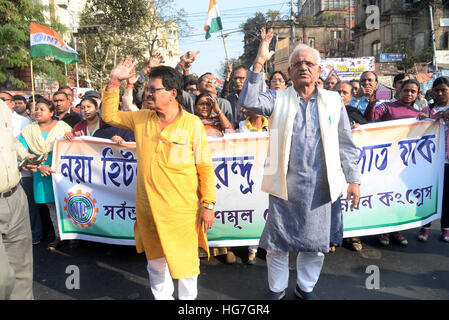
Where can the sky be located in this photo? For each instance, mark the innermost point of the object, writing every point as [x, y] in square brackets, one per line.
[233, 13]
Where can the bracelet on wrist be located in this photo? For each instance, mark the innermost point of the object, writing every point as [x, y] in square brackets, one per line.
[113, 84]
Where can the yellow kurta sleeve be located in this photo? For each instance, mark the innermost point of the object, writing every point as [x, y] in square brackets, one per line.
[110, 113]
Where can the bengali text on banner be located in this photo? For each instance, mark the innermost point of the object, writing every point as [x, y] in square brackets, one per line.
[401, 163]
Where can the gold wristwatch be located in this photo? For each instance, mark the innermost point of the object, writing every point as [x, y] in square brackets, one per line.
[207, 205]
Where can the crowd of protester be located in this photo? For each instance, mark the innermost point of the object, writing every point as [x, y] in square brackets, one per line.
[38, 121]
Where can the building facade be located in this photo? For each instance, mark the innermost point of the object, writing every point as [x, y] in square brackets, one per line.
[318, 8]
[400, 27]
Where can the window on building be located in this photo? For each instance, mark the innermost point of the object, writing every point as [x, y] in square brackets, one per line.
[326, 4]
[376, 49]
[337, 34]
[445, 8]
[312, 42]
[445, 41]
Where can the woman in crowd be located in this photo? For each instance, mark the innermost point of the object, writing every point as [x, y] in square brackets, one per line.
[440, 110]
[401, 109]
[253, 122]
[39, 138]
[278, 81]
[215, 122]
[94, 126]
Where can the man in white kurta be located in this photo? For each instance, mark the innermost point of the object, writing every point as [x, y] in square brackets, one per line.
[313, 159]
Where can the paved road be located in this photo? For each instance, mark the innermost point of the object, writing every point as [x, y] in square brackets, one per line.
[418, 271]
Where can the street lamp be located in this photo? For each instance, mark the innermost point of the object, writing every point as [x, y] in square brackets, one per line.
[83, 31]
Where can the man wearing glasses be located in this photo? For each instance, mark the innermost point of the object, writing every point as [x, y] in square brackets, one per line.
[311, 158]
[238, 78]
[175, 185]
[208, 85]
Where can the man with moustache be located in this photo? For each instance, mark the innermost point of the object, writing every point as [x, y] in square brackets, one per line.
[63, 111]
[311, 159]
[238, 78]
[175, 185]
[367, 91]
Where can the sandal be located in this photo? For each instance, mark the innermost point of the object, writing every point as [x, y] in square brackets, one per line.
[355, 244]
[384, 239]
[333, 247]
[399, 238]
[53, 245]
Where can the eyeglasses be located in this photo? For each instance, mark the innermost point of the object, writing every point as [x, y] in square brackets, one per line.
[278, 80]
[153, 90]
[307, 63]
[209, 80]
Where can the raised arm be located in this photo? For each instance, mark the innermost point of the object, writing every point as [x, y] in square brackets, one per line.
[253, 96]
[373, 113]
[111, 97]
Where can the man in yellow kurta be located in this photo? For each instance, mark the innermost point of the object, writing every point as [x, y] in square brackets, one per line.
[175, 183]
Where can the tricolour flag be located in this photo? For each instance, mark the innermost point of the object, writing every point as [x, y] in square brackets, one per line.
[47, 42]
[213, 23]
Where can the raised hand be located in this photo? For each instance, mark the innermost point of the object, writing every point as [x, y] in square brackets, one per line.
[188, 58]
[124, 70]
[263, 54]
[154, 62]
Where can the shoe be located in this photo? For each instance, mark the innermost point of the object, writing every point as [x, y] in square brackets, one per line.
[332, 247]
[304, 295]
[52, 246]
[445, 235]
[355, 244]
[274, 295]
[399, 238]
[230, 257]
[423, 234]
[252, 258]
[384, 239]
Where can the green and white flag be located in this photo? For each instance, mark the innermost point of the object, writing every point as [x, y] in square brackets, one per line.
[213, 23]
[47, 42]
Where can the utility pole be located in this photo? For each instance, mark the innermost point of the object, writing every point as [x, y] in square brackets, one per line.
[433, 38]
[350, 20]
[292, 26]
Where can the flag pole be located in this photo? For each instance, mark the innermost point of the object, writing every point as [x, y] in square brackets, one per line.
[32, 83]
[224, 44]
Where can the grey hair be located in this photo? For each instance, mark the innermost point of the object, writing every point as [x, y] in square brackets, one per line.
[303, 46]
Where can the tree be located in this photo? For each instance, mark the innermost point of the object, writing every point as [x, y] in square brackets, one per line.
[135, 28]
[273, 15]
[251, 39]
[15, 19]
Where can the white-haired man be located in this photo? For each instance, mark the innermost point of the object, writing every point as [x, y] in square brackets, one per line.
[311, 159]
